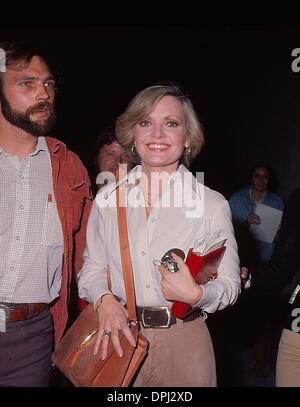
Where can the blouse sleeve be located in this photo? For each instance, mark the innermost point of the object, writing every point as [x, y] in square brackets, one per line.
[92, 278]
[225, 289]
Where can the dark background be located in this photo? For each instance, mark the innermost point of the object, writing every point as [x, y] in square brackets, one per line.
[239, 78]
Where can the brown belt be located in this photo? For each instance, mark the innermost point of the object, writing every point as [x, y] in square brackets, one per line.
[161, 317]
[20, 312]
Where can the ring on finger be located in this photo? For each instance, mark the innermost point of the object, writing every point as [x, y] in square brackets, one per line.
[106, 332]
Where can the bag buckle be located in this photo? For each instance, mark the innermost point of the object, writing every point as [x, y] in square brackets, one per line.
[148, 314]
[4, 316]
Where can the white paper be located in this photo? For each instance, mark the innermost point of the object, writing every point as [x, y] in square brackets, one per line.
[270, 222]
[209, 243]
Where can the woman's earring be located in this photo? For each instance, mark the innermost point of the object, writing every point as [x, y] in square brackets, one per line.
[187, 151]
[134, 150]
[135, 155]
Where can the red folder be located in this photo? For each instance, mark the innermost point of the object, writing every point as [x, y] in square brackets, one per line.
[201, 268]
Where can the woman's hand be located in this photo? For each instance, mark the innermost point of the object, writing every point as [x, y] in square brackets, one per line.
[113, 318]
[253, 219]
[180, 286]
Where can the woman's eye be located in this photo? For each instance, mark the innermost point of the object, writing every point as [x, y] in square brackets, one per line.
[172, 124]
[144, 123]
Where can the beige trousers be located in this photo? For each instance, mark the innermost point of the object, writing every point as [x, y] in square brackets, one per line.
[288, 360]
[180, 356]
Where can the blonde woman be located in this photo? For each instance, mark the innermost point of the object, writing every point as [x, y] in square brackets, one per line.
[166, 207]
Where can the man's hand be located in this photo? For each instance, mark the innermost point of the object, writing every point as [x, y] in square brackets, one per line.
[245, 277]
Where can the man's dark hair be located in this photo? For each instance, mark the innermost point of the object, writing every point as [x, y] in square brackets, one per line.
[107, 136]
[21, 53]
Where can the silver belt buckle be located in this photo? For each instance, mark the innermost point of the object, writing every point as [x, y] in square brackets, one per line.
[4, 316]
[149, 325]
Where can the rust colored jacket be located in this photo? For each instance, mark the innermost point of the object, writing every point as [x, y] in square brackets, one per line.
[72, 191]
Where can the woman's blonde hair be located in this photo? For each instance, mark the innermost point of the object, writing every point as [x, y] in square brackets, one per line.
[144, 102]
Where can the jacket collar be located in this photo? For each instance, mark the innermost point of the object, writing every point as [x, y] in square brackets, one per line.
[56, 147]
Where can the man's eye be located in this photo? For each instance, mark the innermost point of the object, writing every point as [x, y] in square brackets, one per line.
[50, 84]
[172, 124]
[144, 123]
[26, 83]
[125, 157]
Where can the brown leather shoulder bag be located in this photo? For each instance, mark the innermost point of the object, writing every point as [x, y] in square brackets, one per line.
[74, 353]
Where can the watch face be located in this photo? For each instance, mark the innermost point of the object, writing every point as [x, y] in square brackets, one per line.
[169, 262]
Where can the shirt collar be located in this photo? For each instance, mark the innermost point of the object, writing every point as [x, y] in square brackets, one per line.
[40, 146]
[254, 201]
[182, 175]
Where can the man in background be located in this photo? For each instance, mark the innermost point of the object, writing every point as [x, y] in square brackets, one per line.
[109, 155]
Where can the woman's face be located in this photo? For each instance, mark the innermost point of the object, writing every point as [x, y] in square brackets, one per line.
[260, 179]
[161, 136]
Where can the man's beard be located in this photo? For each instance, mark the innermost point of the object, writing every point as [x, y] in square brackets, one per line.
[23, 121]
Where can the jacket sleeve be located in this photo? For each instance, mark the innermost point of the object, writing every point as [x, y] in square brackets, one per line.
[272, 276]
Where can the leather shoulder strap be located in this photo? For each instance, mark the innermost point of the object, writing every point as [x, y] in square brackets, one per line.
[125, 252]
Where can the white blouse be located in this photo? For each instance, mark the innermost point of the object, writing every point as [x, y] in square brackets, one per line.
[186, 212]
